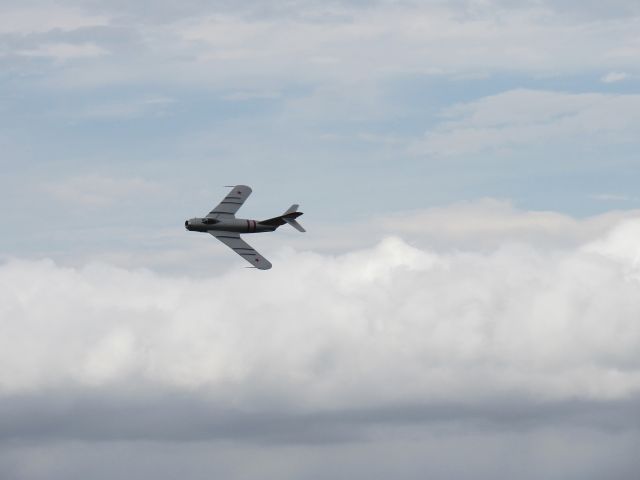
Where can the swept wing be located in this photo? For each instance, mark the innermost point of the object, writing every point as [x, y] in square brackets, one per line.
[242, 248]
[230, 204]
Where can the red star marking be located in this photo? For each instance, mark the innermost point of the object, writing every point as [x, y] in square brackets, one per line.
[257, 259]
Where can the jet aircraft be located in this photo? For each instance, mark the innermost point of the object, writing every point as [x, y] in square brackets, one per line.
[221, 222]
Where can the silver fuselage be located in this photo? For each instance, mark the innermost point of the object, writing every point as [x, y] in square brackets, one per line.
[239, 225]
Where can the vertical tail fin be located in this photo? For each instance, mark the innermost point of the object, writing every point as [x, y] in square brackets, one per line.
[292, 209]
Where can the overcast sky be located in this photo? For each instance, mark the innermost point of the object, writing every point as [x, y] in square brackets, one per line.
[465, 304]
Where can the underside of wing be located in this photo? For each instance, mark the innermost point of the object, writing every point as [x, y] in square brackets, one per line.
[231, 203]
[242, 248]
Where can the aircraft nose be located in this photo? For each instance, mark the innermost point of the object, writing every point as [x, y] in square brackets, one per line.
[186, 224]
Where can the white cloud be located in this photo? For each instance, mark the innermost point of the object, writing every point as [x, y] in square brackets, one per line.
[346, 43]
[65, 51]
[322, 332]
[489, 223]
[521, 117]
[613, 77]
[46, 18]
[620, 244]
[430, 38]
[480, 226]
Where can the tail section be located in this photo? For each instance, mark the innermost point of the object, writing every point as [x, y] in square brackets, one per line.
[287, 217]
[290, 217]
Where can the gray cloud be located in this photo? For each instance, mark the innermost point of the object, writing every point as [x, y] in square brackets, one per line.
[169, 416]
[552, 453]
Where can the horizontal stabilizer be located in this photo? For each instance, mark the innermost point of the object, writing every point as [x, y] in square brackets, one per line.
[294, 224]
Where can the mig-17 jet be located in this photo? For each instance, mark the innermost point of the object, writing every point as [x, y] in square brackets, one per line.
[221, 222]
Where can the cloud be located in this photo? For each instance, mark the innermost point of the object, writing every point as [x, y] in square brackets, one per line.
[532, 117]
[249, 95]
[256, 46]
[132, 108]
[489, 223]
[547, 454]
[431, 38]
[490, 348]
[99, 191]
[613, 77]
[324, 332]
[47, 17]
[65, 51]
[482, 225]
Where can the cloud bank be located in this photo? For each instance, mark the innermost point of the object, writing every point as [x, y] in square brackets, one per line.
[327, 331]
[376, 349]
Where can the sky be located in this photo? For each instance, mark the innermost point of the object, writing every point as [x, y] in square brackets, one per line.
[464, 305]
